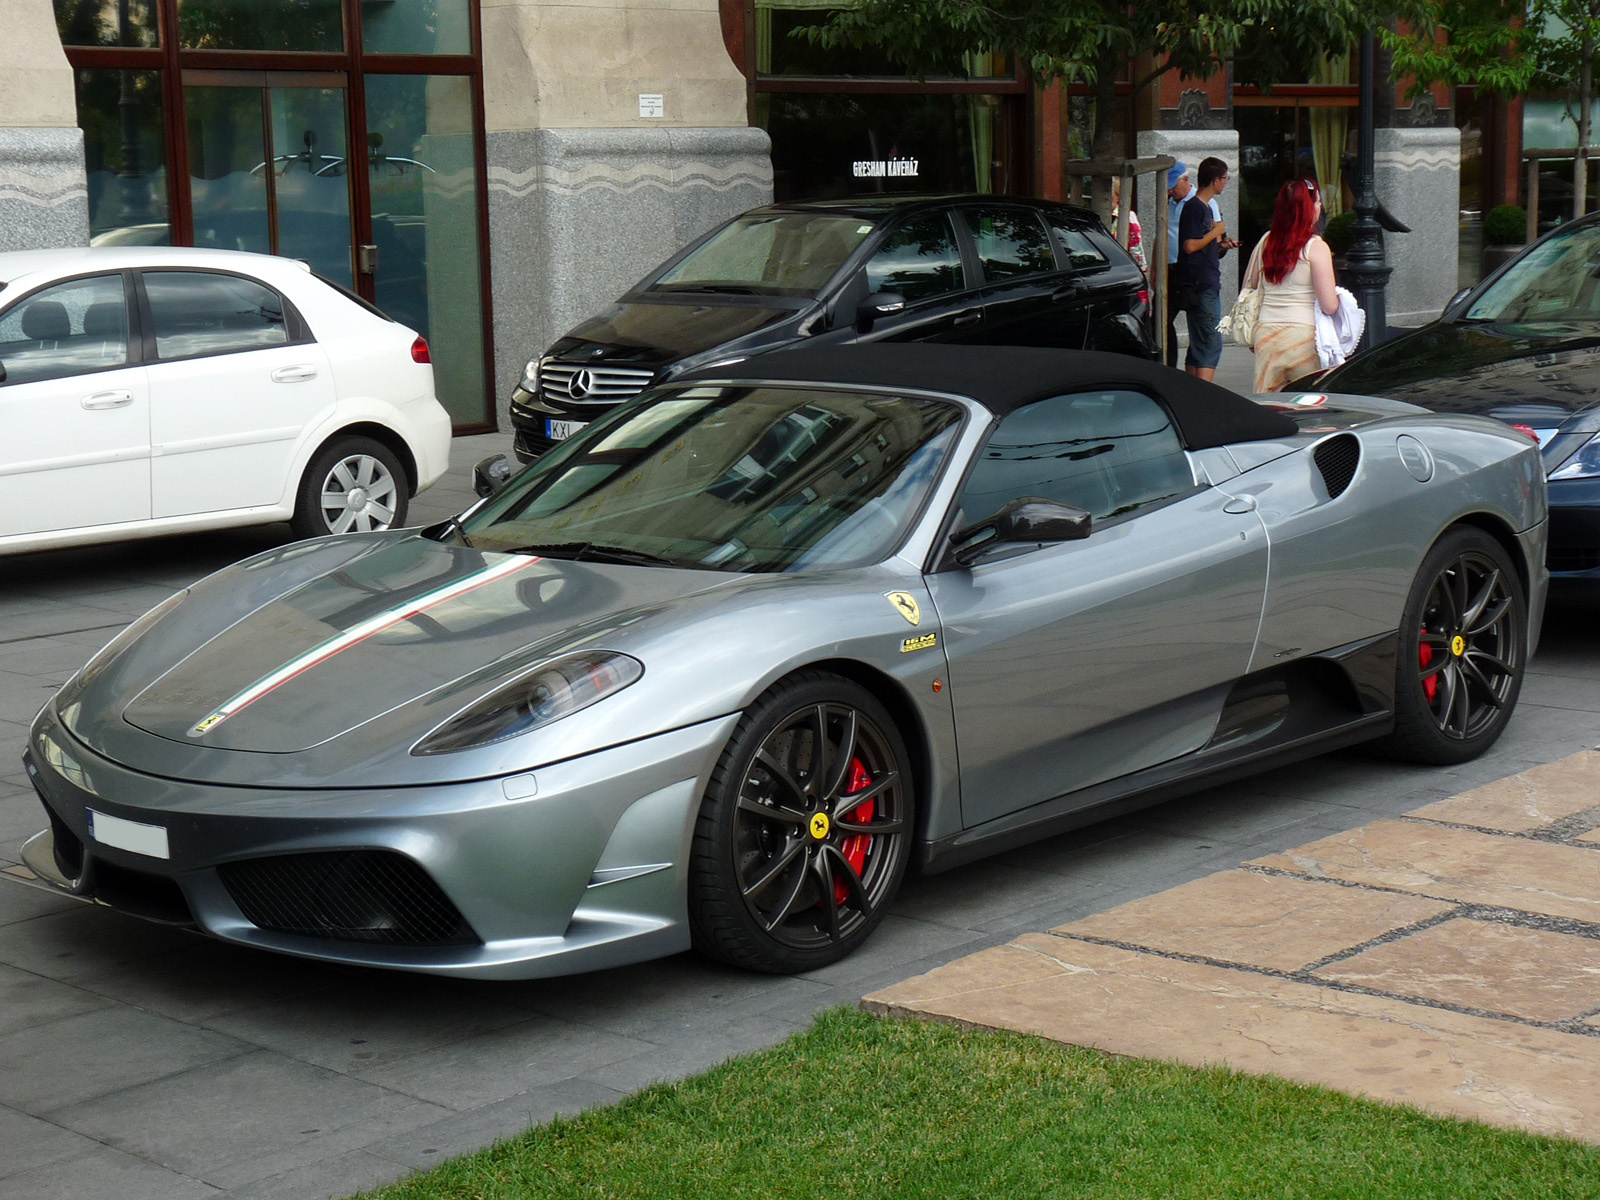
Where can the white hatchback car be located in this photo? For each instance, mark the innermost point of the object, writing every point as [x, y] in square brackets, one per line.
[150, 390]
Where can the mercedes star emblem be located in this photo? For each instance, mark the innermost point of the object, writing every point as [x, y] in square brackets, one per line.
[580, 385]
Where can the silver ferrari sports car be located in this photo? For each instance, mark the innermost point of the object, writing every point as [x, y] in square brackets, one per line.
[719, 669]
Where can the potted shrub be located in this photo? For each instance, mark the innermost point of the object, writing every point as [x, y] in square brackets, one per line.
[1339, 233]
[1505, 230]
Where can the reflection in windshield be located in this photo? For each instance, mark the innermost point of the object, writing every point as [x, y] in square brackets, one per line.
[732, 479]
[1558, 280]
[793, 254]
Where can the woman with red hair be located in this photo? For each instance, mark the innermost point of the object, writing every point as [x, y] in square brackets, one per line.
[1294, 269]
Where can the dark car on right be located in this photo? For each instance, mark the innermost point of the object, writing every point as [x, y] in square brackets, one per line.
[977, 270]
[1524, 347]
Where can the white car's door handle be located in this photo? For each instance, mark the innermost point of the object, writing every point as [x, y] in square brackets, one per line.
[107, 400]
[294, 374]
[1240, 504]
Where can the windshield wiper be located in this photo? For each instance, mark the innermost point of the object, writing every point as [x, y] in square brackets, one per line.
[590, 552]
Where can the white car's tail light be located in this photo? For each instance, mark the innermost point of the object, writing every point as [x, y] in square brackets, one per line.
[419, 351]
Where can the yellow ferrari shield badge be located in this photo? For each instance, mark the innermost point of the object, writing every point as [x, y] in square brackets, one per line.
[906, 604]
[819, 825]
[1458, 645]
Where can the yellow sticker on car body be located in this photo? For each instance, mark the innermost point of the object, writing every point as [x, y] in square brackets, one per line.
[925, 641]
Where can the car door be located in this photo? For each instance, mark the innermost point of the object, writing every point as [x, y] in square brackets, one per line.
[921, 260]
[235, 380]
[1078, 662]
[1028, 300]
[74, 410]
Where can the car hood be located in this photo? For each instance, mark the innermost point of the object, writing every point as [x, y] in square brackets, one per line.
[642, 331]
[408, 625]
[1533, 373]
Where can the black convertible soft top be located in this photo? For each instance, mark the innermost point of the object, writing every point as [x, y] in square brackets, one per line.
[1003, 378]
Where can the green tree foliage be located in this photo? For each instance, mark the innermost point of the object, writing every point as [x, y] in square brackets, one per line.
[1513, 47]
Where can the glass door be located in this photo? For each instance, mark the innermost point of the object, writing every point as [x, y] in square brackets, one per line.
[269, 166]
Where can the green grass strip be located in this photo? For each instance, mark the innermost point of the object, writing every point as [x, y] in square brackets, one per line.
[859, 1108]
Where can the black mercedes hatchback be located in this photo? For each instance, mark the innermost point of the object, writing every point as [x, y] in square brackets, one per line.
[1523, 347]
[974, 269]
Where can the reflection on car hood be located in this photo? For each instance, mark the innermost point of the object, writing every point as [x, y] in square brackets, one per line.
[1523, 373]
[646, 332]
[415, 619]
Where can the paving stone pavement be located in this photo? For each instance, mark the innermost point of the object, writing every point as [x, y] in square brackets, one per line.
[1448, 959]
[141, 1061]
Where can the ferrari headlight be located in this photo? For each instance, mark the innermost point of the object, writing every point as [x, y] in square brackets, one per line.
[547, 693]
[74, 687]
[1585, 464]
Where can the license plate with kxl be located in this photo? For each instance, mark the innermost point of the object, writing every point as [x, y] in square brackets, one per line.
[560, 431]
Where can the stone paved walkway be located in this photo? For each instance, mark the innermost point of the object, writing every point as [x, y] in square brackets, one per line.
[1447, 959]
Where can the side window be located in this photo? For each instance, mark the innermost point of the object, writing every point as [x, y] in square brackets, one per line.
[1106, 452]
[69, 329]
[919, 260]
[197, 313]
[1010, 241]
[1081, 251]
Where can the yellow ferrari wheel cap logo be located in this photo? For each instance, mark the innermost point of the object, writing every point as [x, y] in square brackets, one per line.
[1458, 645]
[906, 604]
[819, 825]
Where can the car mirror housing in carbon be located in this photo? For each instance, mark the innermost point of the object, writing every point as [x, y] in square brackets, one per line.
[878, 304]
[1029, 519]
[491, 474]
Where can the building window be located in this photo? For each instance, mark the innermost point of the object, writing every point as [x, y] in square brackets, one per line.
[124, 153]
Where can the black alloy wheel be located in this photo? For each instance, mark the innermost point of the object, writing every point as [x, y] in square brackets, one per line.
[1462, 651]
[805, 831]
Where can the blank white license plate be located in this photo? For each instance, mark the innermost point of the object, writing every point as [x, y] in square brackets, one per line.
[133, 836]
[559, 431]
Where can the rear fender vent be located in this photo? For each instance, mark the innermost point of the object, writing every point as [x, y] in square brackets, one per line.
[1337, 459]
[348, 896]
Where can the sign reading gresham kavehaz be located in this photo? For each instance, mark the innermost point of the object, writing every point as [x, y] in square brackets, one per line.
[880, 168]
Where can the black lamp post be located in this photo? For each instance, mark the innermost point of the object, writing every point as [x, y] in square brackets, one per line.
[1365, 271]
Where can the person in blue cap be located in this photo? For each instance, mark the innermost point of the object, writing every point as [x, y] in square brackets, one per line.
[1178, 185]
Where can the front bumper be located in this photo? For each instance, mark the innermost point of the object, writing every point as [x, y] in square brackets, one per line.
[1574, 531]
[529, 414]
[573, 867]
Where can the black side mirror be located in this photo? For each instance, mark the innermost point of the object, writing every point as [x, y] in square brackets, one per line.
[876, 305]
[490, 475]
[1029, 519]
[1457, 299]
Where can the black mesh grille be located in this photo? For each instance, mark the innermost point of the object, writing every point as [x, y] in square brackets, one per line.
[1582, 559]
[1337, 459]
[348, 895]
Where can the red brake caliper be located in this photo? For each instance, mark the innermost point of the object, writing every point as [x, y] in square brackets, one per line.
[1430, 685]
[854, 848]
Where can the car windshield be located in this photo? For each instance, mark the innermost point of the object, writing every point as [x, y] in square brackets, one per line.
[790, 254]
[764, 478]
[1558, 281]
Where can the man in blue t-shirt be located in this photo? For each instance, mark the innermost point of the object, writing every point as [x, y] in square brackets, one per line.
[1197, 275]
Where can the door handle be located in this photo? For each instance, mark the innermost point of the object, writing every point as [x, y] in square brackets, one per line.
[1069, 291]
[294, 374]
[101, 400]
[971, 317]
[1240, 504]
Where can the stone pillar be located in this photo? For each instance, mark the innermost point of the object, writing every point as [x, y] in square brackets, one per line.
[586, 191]
[1419, 181]
[44, 191]
[1189, 146]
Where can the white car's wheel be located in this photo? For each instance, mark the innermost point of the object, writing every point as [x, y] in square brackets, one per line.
[353, 485]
